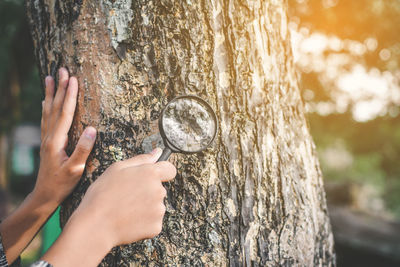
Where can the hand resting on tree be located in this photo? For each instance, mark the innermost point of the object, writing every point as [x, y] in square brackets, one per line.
[58, 173]
[124, 205]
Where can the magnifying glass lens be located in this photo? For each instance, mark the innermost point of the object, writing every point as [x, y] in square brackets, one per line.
[188, 124]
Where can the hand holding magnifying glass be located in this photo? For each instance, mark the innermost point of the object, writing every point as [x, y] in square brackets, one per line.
[187, 124]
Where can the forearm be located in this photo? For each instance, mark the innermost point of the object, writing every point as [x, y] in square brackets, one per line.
[19, 228]
[79, 244]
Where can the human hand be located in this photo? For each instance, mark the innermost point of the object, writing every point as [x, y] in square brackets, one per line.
[124, 205]
[126, 201]
[58, 173]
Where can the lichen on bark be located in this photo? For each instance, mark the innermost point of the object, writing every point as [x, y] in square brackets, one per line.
[256, 196]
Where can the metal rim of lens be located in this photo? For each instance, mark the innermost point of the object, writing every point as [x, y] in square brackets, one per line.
[168, 143]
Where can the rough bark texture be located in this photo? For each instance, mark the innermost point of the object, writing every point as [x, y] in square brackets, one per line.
[256, 197]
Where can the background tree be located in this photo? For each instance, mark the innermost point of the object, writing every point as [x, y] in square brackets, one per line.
[257, 196]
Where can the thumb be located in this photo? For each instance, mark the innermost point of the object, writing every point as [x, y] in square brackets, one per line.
[84, 146]
[152, 157]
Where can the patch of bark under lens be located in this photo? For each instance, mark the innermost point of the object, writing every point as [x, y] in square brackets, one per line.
[188, 125]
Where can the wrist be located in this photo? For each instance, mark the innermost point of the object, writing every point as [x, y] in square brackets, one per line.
[42, 203]
[90, 229]
[93, 221]
[82, 243]
[21, 225]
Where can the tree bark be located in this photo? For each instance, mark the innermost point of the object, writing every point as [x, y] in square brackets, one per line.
[256, 197]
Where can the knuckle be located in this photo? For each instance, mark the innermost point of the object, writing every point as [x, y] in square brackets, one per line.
[162, 209]
[82, 149]
[144, 157]
[168, 169]
[168, 165]
[156, 230]
[163, 192]
[64, 114]
[63, 82]
[48, 145]
[173, 171]
[75, 170]
[55, 108]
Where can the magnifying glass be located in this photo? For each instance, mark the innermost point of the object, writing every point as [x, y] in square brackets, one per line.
[187, 125]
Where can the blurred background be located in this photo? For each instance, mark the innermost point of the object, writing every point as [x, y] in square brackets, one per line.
[347, 54]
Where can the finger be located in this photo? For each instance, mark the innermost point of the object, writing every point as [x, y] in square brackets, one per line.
[63, 78]
[42, 123]
[48, 102]
[166, 170]
[141, 159]
[65, 120]
[83, 148]
[163, 171]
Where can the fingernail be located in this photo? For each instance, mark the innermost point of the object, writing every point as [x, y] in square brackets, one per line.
[90, 133]
[61, 70]
[47, 80]
[156, 151]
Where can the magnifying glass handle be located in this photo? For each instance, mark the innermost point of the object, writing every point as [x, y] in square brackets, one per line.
[165, 154]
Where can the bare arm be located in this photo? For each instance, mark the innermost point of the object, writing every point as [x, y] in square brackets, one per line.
[58, 173]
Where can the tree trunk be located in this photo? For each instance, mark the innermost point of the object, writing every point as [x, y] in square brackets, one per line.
[256, 197]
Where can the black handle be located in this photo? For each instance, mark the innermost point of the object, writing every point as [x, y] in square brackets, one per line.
[165, 154]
